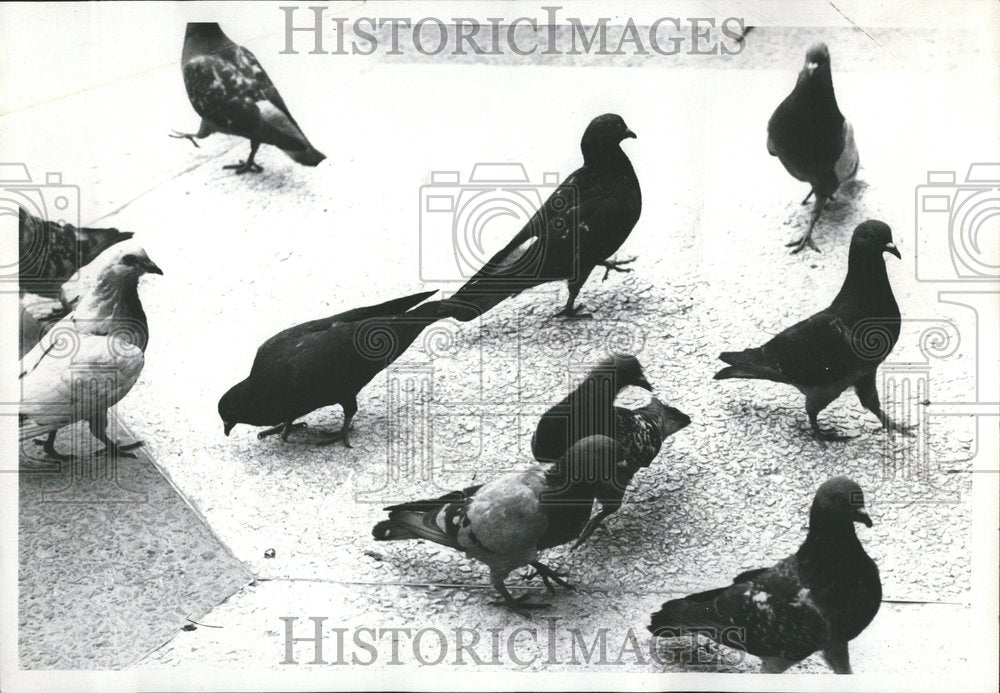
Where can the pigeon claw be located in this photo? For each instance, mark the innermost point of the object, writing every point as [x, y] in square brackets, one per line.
[190, 136]
[51, 451]
[574, 314]
[244, 167]
[801, 243]
[616, 266]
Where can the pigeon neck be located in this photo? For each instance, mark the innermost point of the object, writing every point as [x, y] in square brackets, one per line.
[817, 91]
[113, 305]
[603, 154]
[866, 274]
[828, 537]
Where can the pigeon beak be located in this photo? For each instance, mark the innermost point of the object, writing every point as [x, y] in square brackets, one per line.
[151, 268]
[227, 427]
[890, 247]
[812, 66]
[862, 517]
[629, 135]
[643, 383]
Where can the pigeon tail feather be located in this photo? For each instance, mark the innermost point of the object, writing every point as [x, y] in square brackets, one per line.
[310, 156]
[750, 364]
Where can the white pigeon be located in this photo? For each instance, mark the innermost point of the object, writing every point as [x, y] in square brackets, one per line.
[92, 357]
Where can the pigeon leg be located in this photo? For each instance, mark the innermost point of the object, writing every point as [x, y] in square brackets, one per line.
[571, 310]
[774, 665]
[806, 199]
[248, 165]
[350, 409]
[616, 266]
[547, 575]
[868, 396]
[815, 403]
[284, 429]
[520, 605]
[204, 130]
[806, 240]
[98, 428]
[592, 524]
[48, 446]
[839, 659]
[825, 434]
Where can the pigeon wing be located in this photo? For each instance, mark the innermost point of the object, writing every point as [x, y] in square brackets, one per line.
[769, 615]
[814, 352]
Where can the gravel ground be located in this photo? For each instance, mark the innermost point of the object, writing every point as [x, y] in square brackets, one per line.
[244, 257]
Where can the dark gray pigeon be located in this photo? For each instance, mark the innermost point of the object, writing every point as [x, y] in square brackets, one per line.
[811, 137]
[841, 346]
[818, 599]
[322, 363]
[232, 94]
[582, 224]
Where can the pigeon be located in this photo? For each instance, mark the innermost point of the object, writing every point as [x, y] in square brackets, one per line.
[231, 92]
[324, 362]
[812, 139]
[505, 522]
[580, 226]
[91, 358]
[589, 409]
[51, 253]
[841, 346]
[640, 433]
[819, 598]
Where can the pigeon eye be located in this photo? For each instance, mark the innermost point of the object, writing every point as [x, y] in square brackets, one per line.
[129, 260]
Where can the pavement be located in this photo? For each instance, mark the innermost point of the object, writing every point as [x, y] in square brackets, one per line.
[244, 257]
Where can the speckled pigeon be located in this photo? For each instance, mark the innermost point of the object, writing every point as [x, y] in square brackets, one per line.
[811, 137]
[51, 253]
[580, 226]
[841, 346]
[505, 522]
[232, 94]
[590, 410]
[817, 599]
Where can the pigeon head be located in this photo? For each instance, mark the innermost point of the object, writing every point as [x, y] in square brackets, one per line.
[127, 261]
[668, 419]
[839, 502]
[232, 406]
[203, 37]
[818, 54]
[872, 238]
[603, 136]
[627, 371]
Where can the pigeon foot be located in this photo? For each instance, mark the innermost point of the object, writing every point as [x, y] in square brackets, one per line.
[548, 577]
[49, 449]
[573, 314]
[190, 136]
[801, 243]
[244, 167]
[616, 266]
